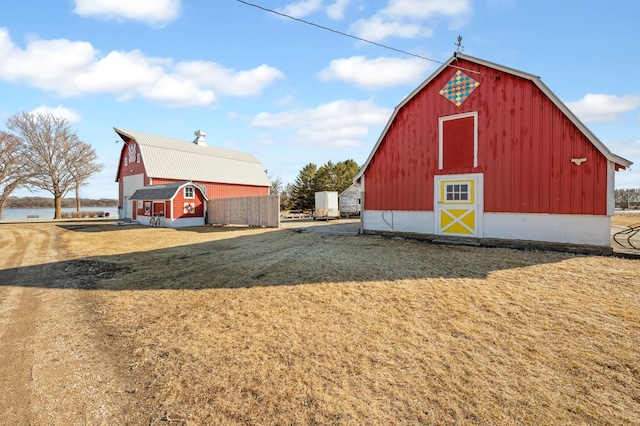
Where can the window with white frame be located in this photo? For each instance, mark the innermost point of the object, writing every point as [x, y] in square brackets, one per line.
[457, 192]
[188, 192]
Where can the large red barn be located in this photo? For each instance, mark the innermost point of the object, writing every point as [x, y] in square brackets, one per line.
[149, 161]
[488, 153]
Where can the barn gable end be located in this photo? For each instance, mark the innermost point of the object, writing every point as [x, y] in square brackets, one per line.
[149, 160]
[503, 134]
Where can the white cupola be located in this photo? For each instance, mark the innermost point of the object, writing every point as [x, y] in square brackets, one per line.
[200, 138]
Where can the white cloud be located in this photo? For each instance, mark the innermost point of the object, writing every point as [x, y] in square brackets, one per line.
[376, 73]
[76, 68]
[228, 81]
[153, 12]
[598, 108]
[336, 10]
[302, 8]
[337, 124]
[406, 18]
[377, 29]
[61, 112]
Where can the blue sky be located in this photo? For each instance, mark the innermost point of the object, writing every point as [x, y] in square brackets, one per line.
[291, 93]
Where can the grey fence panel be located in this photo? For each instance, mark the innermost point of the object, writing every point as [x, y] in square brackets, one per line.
[252, 211]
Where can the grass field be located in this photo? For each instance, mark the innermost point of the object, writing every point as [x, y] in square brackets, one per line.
[626, 219]
[275, 327]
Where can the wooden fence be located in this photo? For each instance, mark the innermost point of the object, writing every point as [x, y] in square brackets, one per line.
[251, 211]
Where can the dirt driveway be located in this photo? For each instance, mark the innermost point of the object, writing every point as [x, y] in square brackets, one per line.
[49, 351]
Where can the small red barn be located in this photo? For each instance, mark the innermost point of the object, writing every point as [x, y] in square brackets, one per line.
[173, 205]
[485, 152]
[147, 161]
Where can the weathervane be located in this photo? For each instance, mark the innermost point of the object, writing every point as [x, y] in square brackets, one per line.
[459, 46]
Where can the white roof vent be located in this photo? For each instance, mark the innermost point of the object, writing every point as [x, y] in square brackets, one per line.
[200, 138]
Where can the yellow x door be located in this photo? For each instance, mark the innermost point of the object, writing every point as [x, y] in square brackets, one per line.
[458, 205]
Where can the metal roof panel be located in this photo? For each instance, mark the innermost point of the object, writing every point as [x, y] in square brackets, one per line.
[178, 159]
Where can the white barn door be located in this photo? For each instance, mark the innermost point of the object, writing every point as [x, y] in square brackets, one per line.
[459, 205]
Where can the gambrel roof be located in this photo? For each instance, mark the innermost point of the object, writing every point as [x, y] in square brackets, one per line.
[161, 192]
[170, 158]
[597, 143]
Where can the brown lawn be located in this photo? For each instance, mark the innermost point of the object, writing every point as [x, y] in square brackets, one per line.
[626, 219]
[276, 327]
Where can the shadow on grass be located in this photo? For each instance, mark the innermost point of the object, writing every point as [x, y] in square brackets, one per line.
[275, 258]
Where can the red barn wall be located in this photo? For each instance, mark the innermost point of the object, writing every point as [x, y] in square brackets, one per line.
[525, 146]
[223, 190]
[130, 169]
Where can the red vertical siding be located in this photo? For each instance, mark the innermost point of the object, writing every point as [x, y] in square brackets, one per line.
[178, 205]
[525, 147]
[223, 190]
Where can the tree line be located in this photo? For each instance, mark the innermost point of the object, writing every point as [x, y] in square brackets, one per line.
[627, 199]
[44, 202]
[311, 179]
[41, 151]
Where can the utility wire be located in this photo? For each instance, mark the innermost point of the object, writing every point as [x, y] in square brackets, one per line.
[313, 24]
[338, 32]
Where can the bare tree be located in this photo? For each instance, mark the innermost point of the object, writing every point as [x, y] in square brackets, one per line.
[13, 172]
[52, 153]
[81, 159]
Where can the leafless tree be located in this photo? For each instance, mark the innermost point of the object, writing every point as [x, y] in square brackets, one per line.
[13, 172]
[53, 152]
[81, 159]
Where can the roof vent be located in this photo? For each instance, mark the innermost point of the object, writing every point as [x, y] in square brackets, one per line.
[200, 138]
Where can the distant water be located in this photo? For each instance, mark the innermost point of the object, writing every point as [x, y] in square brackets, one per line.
[47, 213]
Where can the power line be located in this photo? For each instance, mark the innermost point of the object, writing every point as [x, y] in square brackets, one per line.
[338, 32]
[313, 24]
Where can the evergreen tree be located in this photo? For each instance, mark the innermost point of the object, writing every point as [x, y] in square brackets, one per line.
[345, 172]
[304, 189]
[311, 179]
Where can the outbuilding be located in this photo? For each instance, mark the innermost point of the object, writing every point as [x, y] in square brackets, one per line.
[149, 161]
[349, 201]
[173, 205]
[483, 153]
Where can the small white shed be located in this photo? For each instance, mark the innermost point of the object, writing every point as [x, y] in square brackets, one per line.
[350, 201]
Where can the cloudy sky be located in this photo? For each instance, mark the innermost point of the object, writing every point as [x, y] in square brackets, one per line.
[292, 93]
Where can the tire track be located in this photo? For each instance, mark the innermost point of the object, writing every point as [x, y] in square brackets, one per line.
[19, 308]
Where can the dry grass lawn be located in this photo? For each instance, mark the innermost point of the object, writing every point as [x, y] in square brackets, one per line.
[626, 219]
[276, 327]
[231, 326]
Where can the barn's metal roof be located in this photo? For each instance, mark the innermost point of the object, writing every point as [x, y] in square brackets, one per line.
[160, 192]
[619, 161]
[170, 158]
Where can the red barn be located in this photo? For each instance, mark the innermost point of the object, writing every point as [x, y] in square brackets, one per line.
[484, 152]
[148, 160]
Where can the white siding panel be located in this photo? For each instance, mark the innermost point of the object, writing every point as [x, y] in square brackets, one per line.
[419, 222]
[555, 228]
